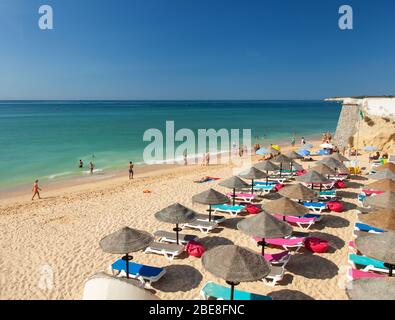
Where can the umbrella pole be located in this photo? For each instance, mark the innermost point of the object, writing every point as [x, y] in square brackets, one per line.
[267, 177]
[209, 212]
[127, 258]
[391, 268]
[252, 186]
[320, 187]
[262, 243]
[232, 289]
[177, 229]
[234, 196]
[281, 168]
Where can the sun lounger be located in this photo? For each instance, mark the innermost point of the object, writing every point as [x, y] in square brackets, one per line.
[285, 243]
[367, 263]
[371, 192]
[264, 189]
[202, 226]
[214, 218]
[276, 275]
[367, 228]
[263, 183]
[214, 290]
[316, 207]
[169, 250]
[165, 236]
[339, 177]
[281, 258]
[361, 198]
[354, 274]
[301, 222]
[138, 271]
[326, 186]
[278, 179]
[327, 194]
[232, 210]
[242, 197]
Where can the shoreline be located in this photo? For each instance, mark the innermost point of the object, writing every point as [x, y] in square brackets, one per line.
[79, 184]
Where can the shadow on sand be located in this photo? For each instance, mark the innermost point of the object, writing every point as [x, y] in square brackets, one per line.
[179, 278]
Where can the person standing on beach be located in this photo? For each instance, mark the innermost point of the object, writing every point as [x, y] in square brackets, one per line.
[324, 137]
[36, 189]
[208, 159]
[303, 141]
[293, 140]
[131, 173]
[91, 167]
[185, 158]
[329, 137]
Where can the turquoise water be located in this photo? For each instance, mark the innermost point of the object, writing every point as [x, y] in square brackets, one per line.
[46, 139]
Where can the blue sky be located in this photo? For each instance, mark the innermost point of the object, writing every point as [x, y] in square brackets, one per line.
[196, 49]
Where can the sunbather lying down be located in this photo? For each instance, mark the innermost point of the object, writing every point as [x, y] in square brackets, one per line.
[206, 179]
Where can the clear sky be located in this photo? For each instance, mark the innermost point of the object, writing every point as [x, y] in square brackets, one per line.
[196, 49]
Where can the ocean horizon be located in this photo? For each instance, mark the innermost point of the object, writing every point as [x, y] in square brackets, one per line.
[45, 139]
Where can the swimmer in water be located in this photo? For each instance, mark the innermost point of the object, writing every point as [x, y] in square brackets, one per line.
[81, 164]
[91, 167]
[36, 190]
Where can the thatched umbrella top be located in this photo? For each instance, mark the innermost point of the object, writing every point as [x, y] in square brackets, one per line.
[382, 219]
[385, 174]
[293, 155]
[234, 183]
[293, 165]
[379, 246]
[389, 165]
[264, 225]
[312, 177]
[323, 169]
[372, 289]
[266, 166]
[334, 164]
[210, 196]
[339, 157]
[286, 207]
[126, 240]
[298, 191]
[253, 173]
[281, 158]
[384, 185]
[385, 200]
[176, 214]
[235, 264]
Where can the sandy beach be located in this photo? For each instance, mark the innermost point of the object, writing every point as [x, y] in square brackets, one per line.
[63, 230]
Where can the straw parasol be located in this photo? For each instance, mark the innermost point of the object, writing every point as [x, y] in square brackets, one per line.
[252, 174]
[334, 164]
[389, 165]
[339, 157]
[380, 247]
[292, 166]
[313, 177]
[282, 159]
[124, 241]
[210, 197]
[176, 214]
[294, 155]
[323, 169]
[285, 207]
[266, 166]
[234, 183]
[235, 264]
[372, 289]
[385, 200]
[382, 219]
[383, 185]
[385, 174]
[298, 191]
[264, 226]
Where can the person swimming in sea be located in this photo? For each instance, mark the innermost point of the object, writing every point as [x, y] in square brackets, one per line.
[36, 189]
[131, 173]
[81, 164]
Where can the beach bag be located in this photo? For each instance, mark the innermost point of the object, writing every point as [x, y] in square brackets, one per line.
[335, 206]
[340, 185]
[195, 249]
[316, 245]
[279, 186]
[301, 172]
[252, 209]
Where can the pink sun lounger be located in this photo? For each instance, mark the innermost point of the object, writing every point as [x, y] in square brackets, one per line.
[278, 258]
[285, 243]
[354, 274]
[304, 223]
[370, 192]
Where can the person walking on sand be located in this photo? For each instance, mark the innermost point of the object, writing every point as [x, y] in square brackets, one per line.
[91, 167]
[36, 189]
[207, 158]
[131, 173]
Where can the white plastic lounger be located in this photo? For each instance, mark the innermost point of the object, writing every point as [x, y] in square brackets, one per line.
[242, 197]
[214, 218]
[276, 274]
[170, 237]
[278, 179]
[326, 186]
[169, 250]
[264, 189]
[232, 210]
[202, 226]
[316, 207]
[138, 271]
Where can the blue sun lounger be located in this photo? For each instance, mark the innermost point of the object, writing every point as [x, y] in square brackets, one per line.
[214, 290]
[367, 228]
[263, 183]
[138, 271]
[232, 210]
[369, 264]
[315, 206]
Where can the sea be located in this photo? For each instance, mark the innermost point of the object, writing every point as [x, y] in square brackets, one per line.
[46, 139]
